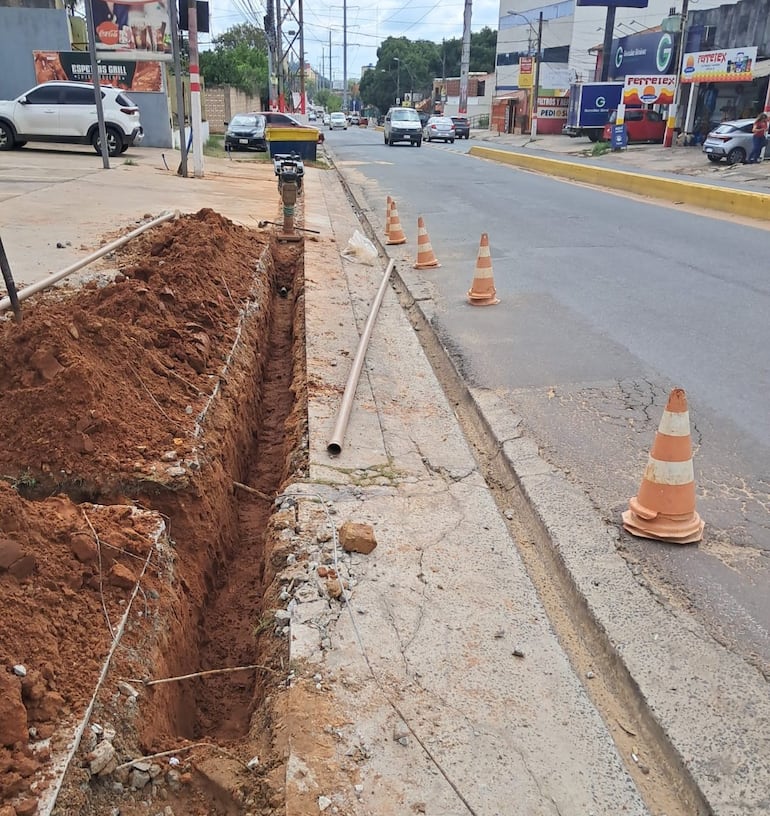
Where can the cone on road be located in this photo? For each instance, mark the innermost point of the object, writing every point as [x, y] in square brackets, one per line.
[482, 291]
[426, 259]
[395, 232]
[388, 207]
[664, 508]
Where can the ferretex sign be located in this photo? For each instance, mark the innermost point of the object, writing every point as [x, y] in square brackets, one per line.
[727, 65]
[639, 54]
[649, 90]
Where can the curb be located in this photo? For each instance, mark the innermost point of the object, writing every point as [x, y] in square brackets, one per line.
[735, 202]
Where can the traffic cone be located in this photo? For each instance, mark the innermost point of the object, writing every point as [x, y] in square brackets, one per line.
[426, 258]
[664, 508]
[395, 233]
[482, 291]
[388, 207]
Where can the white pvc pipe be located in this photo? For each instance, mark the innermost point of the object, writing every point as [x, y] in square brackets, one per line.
[334, 446]
[33, 288]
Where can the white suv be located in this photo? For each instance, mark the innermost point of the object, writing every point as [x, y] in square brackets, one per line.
[403, 125]
[65, 112]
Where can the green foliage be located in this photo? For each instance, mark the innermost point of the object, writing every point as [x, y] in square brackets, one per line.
[239, 59]
[419, 63]
[600, 148]
[326, 99]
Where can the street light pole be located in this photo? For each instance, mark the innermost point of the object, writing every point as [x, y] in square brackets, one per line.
[398, 80]
[533, 125]
[536, 89]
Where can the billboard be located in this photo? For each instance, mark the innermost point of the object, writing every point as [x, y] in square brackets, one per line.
[638, 54]
[727, 65]
[640, 4]
[138, 30]
[649, 90]
[130, 75]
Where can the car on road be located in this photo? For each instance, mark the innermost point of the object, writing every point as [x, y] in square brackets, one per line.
[326, 119]
[246, 131]
[337, 121]
[402, 125]
[642, 125]
[311, 117]
[439, 127]
[462, 126]
[275, 119]
[65, 113]
[355, 119]
[731, 141]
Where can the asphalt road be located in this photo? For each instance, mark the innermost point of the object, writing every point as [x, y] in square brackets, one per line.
[606, 303]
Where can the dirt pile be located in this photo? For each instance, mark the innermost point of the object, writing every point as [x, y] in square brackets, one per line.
[66, 572]
[97, 387]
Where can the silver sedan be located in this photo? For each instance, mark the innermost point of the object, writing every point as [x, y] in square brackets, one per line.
[439, 127]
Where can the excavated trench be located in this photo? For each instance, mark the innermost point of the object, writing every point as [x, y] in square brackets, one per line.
[215, 588]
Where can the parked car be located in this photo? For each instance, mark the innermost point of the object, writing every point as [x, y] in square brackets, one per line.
[337, 121]
[439, 127]
[363, 121]
[462, 126]
[65, 113]
[731, 141]
[642, 125]
[246, 131]
[285, 120]
[402, 125]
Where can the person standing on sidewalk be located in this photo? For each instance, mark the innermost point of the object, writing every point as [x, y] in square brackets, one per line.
[759, 132]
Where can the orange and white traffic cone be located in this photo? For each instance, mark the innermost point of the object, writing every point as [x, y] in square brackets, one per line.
[426, 259]
[388, 207]
[395, 232]
[664, 508]
[482, 291]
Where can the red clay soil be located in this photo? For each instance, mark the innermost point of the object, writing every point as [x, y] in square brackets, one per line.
[64, 571]
[95, 386]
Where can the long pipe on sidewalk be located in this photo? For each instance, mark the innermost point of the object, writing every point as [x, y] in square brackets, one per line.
[33, 288]
[334, 446]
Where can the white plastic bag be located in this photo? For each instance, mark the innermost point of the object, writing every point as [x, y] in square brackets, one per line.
[360, 249]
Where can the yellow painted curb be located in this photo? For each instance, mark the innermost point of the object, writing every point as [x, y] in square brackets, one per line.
[736, 202]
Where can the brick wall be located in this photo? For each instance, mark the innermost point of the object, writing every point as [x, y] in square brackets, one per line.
[224, 102]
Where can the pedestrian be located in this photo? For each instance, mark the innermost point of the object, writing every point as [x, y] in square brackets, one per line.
[759, 132]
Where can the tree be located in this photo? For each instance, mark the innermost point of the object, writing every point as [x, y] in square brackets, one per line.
[239, 59]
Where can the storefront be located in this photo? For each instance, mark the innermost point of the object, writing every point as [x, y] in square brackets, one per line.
[721, 86]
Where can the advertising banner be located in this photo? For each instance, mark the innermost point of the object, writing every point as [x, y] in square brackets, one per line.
[639, 54]
[727, 65]
[526, 72]
[552, 107]
[75, 66]
[649, 90]
[138, 29]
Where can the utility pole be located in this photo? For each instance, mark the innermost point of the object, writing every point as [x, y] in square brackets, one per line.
[533, 124]
[195, 89]
[180, 97]
[270, 35]
[668, 136]
[331, 84]
[279, 55]
[302, 106]
[97, 89]
[466, 58]
[345, 55]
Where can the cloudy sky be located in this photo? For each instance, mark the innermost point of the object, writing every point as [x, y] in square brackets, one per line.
[369, 23]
